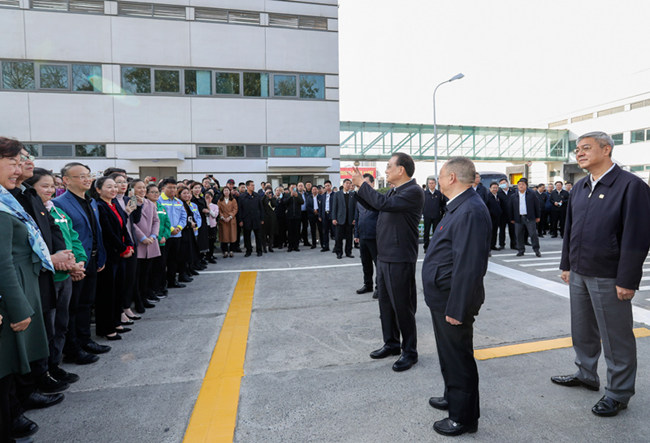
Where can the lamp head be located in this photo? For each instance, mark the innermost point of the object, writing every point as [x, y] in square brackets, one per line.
[457, 77]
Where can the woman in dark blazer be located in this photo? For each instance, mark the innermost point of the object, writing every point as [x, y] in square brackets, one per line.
[118, 245]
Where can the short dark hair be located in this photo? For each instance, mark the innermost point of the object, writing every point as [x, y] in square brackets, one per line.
[38, 174]
[568, 183]
[10, 147]
[248, 182]
[369, 176]
[523, 179]
[151, 186]
[308, 181]
[110, 171]
[167, 181]
[68, 166]
[493, 183]
[241, 183]
[405, 161]
[541, 184]
[327, 181]
[559, 181]
[503, 180]
[347, 180]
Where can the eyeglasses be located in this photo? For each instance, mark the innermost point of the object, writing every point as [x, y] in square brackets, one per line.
[584, 149]
[24, 158]
[81, 177]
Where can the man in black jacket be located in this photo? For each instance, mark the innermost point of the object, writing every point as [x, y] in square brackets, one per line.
[525, 213]
[479, 188]
[606, 242]
[505, 191]
[434, 207]
[293, 202]
[343, 218]
[281, 215]
[326, 216]
[452, 277]
[313, 204]
[494, 206]
[559, 199]
[251, 216]
[397, 252]
[365, 230]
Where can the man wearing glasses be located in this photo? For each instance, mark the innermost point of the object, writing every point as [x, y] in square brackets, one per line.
[79, 347]
[606, 242]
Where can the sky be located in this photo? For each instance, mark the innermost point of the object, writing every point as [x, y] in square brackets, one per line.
[526, 63]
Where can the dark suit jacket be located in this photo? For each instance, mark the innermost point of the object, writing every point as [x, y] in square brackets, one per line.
[115, 237]
[310, 206]
[494, 206]
[505, 205]
[337, 207]
[51, 234]
[293, 205]
[434, 204]
[457, 258]
[482, 191]
[321, 209]
[365, 226]
[251, 211]
[556, 197]
[81, 224]
[532, 206]
[398, 222]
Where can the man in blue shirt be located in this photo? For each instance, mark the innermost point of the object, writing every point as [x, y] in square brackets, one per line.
[605, 244]
[177, 219]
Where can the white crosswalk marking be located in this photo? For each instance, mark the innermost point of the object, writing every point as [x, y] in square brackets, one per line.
[531, 259]
[528, 265]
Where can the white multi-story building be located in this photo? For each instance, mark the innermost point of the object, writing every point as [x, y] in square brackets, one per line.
[243, 89]
[628, 122]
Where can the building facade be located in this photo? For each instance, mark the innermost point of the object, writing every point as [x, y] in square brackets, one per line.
[628, 122]
[243, 89]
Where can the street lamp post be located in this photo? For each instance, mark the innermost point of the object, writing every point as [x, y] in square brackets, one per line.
[435, 127]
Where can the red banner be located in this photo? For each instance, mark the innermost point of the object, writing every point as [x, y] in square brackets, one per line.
[347, 172]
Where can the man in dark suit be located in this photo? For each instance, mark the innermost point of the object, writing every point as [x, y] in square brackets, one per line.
[326, 216]
[343, 218]
[293, 203]
[281, 215]
[313, 204]
[434, 207]
[505, 191]
[494, 206]
[606, 243]
[365, 231]
[479, 188]
[542, 196]
[251, 216]
[559, 199]
[525, 213]
[397, 252]
[452, 277]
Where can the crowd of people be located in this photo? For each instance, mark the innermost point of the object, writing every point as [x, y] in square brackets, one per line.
[80, 248]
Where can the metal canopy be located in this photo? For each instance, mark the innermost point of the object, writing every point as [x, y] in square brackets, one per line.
[378, 141]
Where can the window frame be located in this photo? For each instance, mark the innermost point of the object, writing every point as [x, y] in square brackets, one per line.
[272, 85]
[222, 155]
[181, 81]
[227, 71]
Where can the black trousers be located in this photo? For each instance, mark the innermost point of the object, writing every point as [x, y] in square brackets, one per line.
[247, 240]
[212, 238]
[456, 354]
[281, 238]
[344, 232]
[173, 247]
[428, 224]
[558, 218]
[397, 305]
[511, 234]
[130, 292]
[237, 244]
[495, 229]
[542, 227]
[293, 232]
[368, 251]
[326, 231]
[81, 303]
[304, 223]
[7, 414]
[145, 287]
[108, 305]
[315, 227]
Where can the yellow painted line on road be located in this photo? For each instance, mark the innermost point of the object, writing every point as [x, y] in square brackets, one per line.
[215, 413]
[536, 346]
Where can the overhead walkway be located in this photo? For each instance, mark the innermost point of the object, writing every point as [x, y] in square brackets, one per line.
[366, 141]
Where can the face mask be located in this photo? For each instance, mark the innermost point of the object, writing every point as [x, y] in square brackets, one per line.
[503, 185]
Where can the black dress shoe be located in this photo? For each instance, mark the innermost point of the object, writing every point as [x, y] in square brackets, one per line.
[528, 244]
[271, 250]
[404, 363]
[572, 380]
[313, 246]
[349, 255]
[520, 254]
[133, 317]
[122, 330]
[364, 289]
[259, 253]
[248, 254]
[324, 249]
[384, 352]
[339, 256]
[82, 358]
[140, 310]
[114, 337]
[22, 427]
[193, 272]
[212, 260]
[449, 427]
[62, 374]
[147, 304]
[49, 385]
[608, 407]
[126, 323]
[41, 401]
[297, 249]
[176, 285]
[538, 254]
[185, 279]
[439, 403]
[95, 348]
[375, 295]
[494, 248]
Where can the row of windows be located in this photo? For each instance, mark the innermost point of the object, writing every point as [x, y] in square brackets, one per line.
[256, 151]
[141, 80]
[25, 75]
[53, 76]
[602, 113]
[66, 150]
[176, 12]
[640, 135]
[57, 150]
